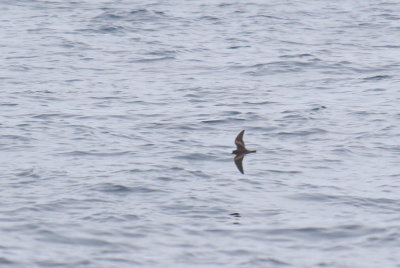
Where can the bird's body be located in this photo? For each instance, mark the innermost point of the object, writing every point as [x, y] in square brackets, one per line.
[240, 151]
[243, 152]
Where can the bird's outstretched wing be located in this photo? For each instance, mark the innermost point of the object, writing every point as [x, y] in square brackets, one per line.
[239, 141]
[239, 162]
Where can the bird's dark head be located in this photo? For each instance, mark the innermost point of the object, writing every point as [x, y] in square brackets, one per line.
[235, 152]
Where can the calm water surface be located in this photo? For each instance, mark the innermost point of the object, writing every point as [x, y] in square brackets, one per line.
[117, 121]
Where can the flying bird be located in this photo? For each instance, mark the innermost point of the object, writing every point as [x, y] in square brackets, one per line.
[240, 151]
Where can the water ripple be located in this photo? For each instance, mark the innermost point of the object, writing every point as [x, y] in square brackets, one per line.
[118, 119]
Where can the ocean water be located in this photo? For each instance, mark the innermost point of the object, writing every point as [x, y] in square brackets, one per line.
[118, 118]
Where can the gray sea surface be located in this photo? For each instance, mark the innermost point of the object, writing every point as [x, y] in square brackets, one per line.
[118, 119]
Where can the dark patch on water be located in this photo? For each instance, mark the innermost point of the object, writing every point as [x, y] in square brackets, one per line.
[16, 137]
[84, 153]
[296, 56]
[377, 77]
[193, 156]
[6, 261]
[8, 104]
[117, 188]
[265, 261]
[318, 108]
[317, 233]
[235, 214]
[299, 133]
[284, 171]
[28, 173]
[155, 59]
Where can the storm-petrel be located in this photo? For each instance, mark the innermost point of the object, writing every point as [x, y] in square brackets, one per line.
[240, 151]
